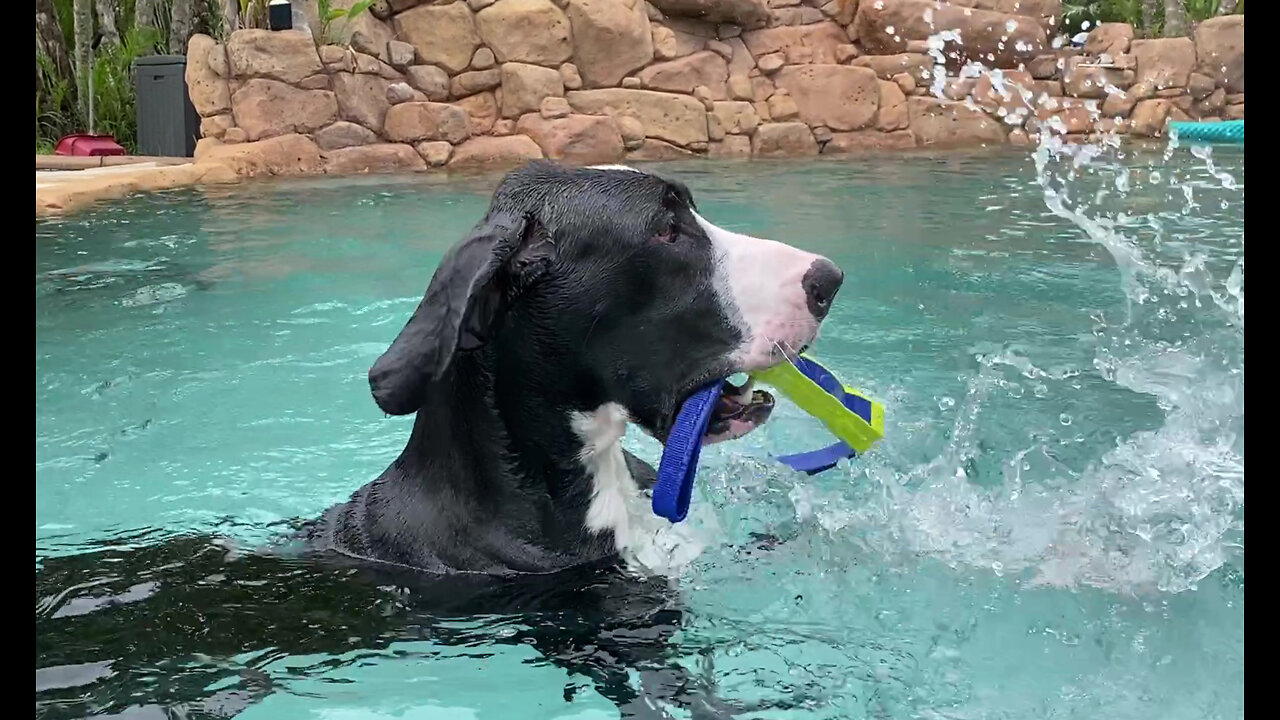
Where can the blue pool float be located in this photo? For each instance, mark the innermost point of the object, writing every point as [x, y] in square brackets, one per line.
[1229, 131]
[852, 417]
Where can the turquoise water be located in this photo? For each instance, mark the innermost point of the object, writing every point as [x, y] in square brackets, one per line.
[1053, 526]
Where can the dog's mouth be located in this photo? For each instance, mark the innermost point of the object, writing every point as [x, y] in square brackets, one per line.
[740, 410]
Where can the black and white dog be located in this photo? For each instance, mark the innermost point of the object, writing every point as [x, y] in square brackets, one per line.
[585, 299]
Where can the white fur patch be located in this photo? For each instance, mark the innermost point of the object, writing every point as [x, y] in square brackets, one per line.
[612, 167]
[644, 540]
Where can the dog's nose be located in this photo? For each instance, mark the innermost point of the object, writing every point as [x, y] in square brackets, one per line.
[821, 282]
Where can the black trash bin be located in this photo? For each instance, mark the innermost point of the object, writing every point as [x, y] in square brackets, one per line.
[168, 124]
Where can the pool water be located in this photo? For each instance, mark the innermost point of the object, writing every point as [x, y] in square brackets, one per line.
[1052, 527]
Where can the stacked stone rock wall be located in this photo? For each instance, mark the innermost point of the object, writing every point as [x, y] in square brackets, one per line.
[485, 82]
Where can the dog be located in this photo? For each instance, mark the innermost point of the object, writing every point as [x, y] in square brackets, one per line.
[584, 301]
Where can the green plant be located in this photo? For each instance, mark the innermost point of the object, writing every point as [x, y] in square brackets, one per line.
[253, 14]
[329, 15]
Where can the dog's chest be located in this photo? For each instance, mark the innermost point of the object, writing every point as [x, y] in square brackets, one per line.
[644, 540]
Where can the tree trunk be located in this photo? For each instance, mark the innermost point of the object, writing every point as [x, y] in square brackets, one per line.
[82, 14]
[1175, 19]
[49, 38]
[230, 17]
[145, 15]
[180, 22]
[1226, 7]
[1149, 9]
[107, 21]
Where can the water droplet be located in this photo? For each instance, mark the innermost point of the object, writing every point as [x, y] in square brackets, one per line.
[1065, 419]
[946, 403]
[888, 30]
[1010, 25]
[1155, 177]
[1084, 25]
[997, 567]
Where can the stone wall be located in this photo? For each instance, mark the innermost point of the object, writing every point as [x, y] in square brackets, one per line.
[480, 83]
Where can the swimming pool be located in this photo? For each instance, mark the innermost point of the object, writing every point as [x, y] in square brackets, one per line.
[1053, 526]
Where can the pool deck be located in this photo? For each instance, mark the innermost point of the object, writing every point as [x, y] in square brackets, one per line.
[67, 183]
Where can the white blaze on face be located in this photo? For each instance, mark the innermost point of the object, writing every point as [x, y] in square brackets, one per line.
[760, 283]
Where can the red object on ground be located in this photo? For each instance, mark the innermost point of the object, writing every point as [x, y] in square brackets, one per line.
[84, 144]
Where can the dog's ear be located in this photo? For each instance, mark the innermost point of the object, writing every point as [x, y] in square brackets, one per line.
[468, 294]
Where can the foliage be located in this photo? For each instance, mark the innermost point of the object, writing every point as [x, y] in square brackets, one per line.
[1076, 12]
[329, 15]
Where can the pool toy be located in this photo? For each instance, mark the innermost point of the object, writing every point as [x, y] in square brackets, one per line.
[856, 420]
[1229, 131]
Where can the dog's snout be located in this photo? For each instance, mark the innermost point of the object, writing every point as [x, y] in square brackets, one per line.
[821, 282]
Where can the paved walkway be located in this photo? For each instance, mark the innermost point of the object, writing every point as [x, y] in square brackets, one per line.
[82, 181]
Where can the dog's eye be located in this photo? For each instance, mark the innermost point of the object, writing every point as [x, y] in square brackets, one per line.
[668, 235]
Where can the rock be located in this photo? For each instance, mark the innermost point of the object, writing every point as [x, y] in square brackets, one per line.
[892, 114]
[576, 139]
[1164, 63]
[503, 127]
[1235, 98]
[478, 5]
[905, 82]
[796, 16]
[837, 96]
[374, 32]
[938, 123]
[1044, 67]
[483, 59]
[994, 38]
[217, 59]
[733, 146]
[919, 67]
[1219, 46]
[652, 149]
[1110, 38]
[771, 63]
[482, 112]
[743, 13]
[291, 154]
[1018, 138]
[761, 88]
[845, 53]
[474, 81]
[332, 54]
[664, 42]
[677, 119]
[703, 94]
[631, 130]
[723, 49]
[524, 86]
[379, 157]
[610, 39]
[1200, 86]
[431, 80]
[266, 108]
[958, 88]
[1211, 105]
[740, 87]
[414, 121]
[527, 31]
[362, 99]
[235, 135]
[841, 11]
[1091, 82]
[798, 55]
[1009, 91]
[344, 134]
[736, 117]
[215, 126]
[742, 63]
[443, 35]
[715, 130]
[570, 77]
[400, 54]
[1121, 104]
[434, 153]
[724, 31]
[783, 139]
[1065, 116]
[494, 152]
[782, 107]
[1046, 12]
[286, 55]
[1231, 112]
[864, 141]
[319, 81]
[1150, 118]
[705, 68]
[401, 92]
[370, 65]
[209, 93]
[632, 83]
[822, 38]
[762, 111]
[553, 108]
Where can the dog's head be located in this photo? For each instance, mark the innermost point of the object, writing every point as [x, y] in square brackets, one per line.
[610, 277]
